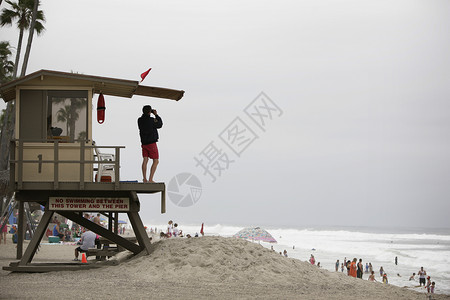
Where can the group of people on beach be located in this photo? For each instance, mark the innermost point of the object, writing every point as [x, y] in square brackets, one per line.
[172, 231]
[356, 269]
[425, 280]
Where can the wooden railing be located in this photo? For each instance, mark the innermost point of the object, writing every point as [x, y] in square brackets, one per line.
[17, 164]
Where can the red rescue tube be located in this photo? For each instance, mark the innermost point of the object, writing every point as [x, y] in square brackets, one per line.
[101, 109]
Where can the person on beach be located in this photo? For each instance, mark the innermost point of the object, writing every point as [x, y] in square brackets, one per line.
[381, 271]
[86, 242]
[148, 132]
[347, 265]
[68, 235]
[342, 267]
[176, 231]
[353, 268]
[337, 265]
[4, 230]
[385, 279]
[370, 268]
[312, 260]
[318, 264]
[14, 234]
[367, 268]
[372, 276]
[422, 274]
[285, 253]
[396, 260]
[433, 285]
[360, 268]
[428, 286]
[412, 277]
[97, 220]
[57, 231]
[169, 229]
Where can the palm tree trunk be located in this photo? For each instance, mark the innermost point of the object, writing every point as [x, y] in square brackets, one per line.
[30, 38]
[19, 48]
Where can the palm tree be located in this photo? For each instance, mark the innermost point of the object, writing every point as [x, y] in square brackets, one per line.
[7, 117]
[6, 69]
[34, 24]
[6, 66]
[23, 12]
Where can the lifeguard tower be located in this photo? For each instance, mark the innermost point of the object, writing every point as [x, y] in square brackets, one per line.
[53, 159]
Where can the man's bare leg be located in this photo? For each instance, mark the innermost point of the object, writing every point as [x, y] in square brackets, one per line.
[153, 169]
[144, 168]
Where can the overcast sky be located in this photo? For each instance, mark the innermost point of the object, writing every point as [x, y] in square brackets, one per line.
[359, 133]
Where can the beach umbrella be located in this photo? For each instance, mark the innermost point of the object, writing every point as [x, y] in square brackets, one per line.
[255, 234]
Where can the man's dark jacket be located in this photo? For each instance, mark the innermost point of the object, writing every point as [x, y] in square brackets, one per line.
[148, 128]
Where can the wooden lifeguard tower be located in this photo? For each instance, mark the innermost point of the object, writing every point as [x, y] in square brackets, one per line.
[53, 162]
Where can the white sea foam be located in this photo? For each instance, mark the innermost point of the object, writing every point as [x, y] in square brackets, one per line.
[414, 250]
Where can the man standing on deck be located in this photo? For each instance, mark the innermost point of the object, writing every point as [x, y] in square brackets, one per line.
[148, 131]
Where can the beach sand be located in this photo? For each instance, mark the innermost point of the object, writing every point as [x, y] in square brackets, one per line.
[196, 268]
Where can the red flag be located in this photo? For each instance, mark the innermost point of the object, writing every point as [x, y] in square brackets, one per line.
[201, 230]
[143, 75]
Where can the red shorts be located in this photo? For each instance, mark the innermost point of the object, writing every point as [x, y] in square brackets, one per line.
[150, 150]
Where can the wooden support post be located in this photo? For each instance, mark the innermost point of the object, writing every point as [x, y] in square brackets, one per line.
[139, 230]
[20, 166]
[163, 201]
[116, 169]
[82, 162]
[56, 164]
[20, 230]
[116, 222]
[12, 166]
[110, 225]
[38, 234]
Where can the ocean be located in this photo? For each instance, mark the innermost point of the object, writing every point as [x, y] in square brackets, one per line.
[413, 247]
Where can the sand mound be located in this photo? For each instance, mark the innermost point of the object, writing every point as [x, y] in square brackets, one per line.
[238, 264]
[218, 259]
